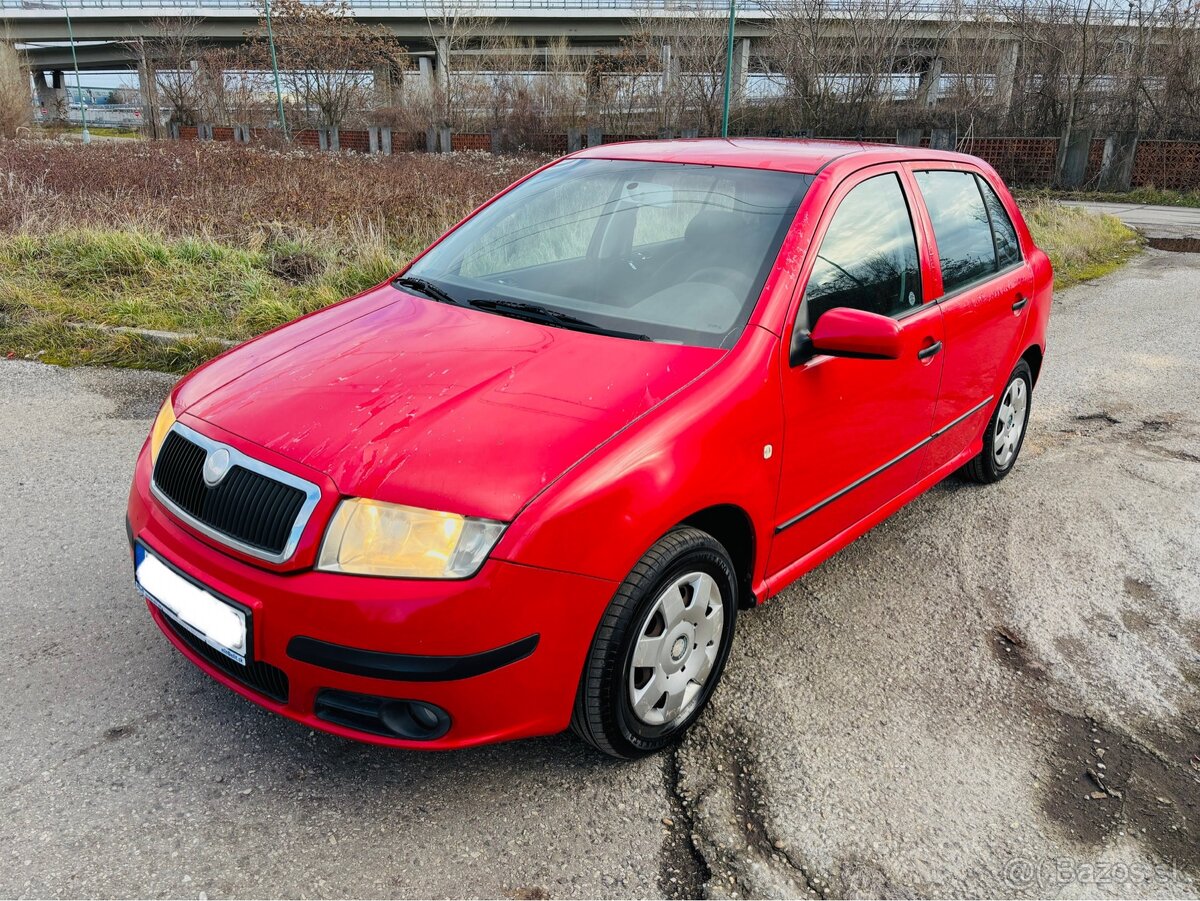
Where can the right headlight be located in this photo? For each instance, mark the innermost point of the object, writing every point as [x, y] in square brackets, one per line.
[162, 425]
[373, 538]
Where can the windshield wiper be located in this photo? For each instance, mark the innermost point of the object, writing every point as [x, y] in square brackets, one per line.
[532, 312]
[428, 288]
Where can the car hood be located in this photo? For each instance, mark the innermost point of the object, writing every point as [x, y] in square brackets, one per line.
[437, 406]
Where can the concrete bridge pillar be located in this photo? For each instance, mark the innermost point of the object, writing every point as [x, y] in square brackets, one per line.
[387, 83]
[929, 87]
[209, 91]
[425, 72]
[148, 84]
[669, 68]
[1006, 76]
[442, 63]
[52, 95]
[741, 70]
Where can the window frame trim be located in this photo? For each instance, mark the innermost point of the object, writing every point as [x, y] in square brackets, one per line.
[915, 166]
[799, 307]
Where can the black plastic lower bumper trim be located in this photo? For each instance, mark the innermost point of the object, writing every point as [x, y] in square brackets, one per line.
[407, 667]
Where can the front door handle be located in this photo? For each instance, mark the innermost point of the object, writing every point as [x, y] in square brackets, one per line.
[1019, 303]
[926, 352]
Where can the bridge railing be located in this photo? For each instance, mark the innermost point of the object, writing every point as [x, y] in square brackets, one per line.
[1102, 12]
[1105, 8]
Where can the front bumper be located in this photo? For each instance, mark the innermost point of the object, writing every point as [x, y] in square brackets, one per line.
[500, 653]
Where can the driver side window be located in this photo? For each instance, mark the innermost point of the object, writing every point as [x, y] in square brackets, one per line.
[868, 257]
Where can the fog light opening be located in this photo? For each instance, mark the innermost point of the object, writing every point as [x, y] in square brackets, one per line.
[413, 719]
[390, 717]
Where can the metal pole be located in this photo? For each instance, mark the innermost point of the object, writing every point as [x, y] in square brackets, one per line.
[87, 138]
[728, 70]
[275, 69]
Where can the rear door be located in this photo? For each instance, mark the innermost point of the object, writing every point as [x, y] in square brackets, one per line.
[855, 429]
[985, 293]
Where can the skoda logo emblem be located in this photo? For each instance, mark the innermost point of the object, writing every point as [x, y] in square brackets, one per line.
[216, 464]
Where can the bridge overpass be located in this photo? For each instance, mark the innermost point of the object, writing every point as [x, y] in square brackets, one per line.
[584, 23]
[111, 32]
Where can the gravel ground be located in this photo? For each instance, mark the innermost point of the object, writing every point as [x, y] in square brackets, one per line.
[992, 693]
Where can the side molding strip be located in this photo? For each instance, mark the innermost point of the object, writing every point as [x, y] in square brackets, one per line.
[908, 453]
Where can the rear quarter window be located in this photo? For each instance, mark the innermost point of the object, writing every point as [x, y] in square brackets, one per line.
[961, 226]
[1008, 248]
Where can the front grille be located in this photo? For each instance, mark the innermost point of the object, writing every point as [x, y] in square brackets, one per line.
[253, 509]
[267, 680]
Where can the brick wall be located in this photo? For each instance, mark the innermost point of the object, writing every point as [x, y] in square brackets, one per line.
[1020, 161]
[356, 139]
[468, 141]
[1167, 164]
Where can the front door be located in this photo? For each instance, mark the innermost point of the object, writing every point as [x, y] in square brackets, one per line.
[855, 429]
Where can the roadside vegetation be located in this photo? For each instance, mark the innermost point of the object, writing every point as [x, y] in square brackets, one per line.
[219, 243]
[1148, 194]
[1082, 245]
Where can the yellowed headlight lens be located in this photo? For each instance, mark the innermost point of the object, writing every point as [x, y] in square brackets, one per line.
[162, 425]
[373, 538]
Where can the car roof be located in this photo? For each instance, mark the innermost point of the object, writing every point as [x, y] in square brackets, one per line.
[781, 154]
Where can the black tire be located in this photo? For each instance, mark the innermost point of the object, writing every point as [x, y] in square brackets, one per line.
[984, 468]
[603, 714]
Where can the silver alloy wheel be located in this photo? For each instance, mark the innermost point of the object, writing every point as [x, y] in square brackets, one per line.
[1010, 423]
[676, 648]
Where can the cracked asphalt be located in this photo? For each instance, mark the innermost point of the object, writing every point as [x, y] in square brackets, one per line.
[994, 693]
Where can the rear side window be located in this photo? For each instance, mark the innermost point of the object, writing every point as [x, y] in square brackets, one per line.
[961, 226]
[868, 257]
[1008, 248]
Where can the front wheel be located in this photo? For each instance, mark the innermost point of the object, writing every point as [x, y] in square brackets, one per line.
[660, 648]
[1006, 429]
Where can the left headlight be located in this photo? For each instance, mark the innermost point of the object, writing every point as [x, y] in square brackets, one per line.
[162, 425]
[372, 538]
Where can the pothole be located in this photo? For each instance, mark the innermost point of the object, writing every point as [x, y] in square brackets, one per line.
[1175, 245]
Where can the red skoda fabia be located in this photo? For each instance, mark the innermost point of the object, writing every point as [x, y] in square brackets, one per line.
[529, 482]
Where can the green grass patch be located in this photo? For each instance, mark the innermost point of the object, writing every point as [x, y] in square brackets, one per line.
[1082, 245]
[54, 287]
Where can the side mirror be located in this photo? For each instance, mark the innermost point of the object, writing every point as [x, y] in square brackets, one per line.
[846, 332]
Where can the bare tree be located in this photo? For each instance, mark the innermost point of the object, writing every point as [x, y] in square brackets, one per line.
[327, 58]
[173, 49]
[687, 49]
[455, 28]
[838, 62]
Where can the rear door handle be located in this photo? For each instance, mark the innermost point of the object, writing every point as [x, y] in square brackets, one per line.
[1019, 303]
[926, 352]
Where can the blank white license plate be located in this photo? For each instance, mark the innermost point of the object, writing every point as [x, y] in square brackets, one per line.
[212, 620]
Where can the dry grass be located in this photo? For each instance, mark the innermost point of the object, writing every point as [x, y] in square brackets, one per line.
[225, 192]
[1081, 245]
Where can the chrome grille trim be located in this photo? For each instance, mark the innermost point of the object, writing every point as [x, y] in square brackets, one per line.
[312, 496]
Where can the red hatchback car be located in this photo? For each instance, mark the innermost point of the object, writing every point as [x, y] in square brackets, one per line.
[529, 482]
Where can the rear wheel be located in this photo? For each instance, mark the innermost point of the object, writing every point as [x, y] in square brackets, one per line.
[660, 648]
[1006, 429]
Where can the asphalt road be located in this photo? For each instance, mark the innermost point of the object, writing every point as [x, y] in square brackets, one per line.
[1155, 222]
[919, 715]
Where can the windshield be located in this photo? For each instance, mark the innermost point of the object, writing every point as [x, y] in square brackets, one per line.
[665, 251]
